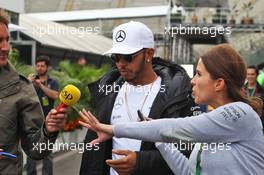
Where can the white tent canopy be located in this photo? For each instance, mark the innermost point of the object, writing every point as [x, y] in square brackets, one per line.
[114, 13]
[14, 27]
[61, 36]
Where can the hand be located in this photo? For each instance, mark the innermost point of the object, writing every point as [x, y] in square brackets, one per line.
[103, 131]
[31, 77]
[36, 82]
[124, 165]
[55, 120]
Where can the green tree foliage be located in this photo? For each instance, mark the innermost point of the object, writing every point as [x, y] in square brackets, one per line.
[67, 73]
[80, 76]
[22, 68]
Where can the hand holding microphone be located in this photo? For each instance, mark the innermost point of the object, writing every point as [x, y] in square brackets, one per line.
[56, 118]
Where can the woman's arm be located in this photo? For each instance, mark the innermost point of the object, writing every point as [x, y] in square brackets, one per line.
[177, 162]
[228, 123]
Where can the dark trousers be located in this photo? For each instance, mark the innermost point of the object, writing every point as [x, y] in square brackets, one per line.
[47, 169]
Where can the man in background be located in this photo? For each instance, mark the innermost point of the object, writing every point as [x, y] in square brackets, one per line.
[252, 87]
[81, 61]
[47, 90]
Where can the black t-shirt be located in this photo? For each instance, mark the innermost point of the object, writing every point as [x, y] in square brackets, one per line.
[46, 102]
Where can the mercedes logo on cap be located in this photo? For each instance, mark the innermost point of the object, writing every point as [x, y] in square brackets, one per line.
[120, 36]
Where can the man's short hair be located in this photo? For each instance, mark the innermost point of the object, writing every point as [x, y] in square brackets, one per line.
[3, 17]
[44, 58]
[254, 67]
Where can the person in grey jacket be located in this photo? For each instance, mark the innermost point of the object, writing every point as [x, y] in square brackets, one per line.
[229, 139]
[21, 117]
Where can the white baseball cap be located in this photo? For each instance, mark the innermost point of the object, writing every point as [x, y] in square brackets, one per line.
[131, 37]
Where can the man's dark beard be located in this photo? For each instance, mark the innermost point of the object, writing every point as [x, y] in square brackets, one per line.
[43, 74]
[140, 70]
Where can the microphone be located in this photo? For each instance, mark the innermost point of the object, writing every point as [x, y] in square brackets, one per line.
[69, 95]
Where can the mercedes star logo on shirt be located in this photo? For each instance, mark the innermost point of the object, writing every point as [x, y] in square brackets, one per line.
[119, 103]
[120, 36]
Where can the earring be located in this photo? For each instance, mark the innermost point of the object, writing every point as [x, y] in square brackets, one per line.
[148, 60]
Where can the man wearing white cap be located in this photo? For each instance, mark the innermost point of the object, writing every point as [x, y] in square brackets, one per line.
[139, 82]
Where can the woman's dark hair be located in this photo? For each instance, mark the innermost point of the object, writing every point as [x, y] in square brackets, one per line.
[222, 61]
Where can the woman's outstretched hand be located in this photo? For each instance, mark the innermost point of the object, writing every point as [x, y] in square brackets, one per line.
[103, 131]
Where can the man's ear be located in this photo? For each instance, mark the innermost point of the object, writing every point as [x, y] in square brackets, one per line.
[150, 54]
[219, 84]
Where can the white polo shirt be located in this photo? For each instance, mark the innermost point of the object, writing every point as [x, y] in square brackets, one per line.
[131, 98]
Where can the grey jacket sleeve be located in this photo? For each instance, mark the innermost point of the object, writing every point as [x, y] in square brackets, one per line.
[31, 122]
[177, 162]
[224, 124]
